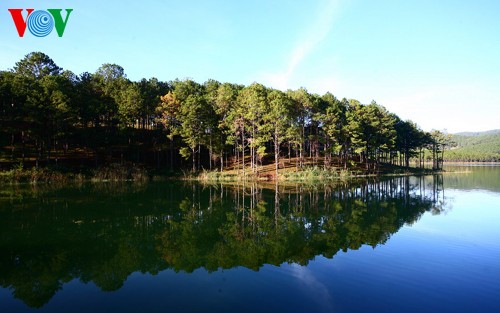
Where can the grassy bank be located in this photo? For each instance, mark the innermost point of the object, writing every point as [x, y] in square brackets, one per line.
[117, 172]
[61, 175]
[308, 173]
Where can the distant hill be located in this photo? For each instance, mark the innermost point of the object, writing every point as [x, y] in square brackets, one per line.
[488, 132]
[475, 146]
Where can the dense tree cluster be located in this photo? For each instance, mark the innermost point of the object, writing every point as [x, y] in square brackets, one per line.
[48, 112]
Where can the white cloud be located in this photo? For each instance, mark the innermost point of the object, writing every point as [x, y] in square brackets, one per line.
[320, 291]
[307, 42]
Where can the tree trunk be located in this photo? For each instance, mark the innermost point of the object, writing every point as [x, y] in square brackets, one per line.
[243, 151]
[23, 146]
[289, 152]
[194, 161]
[366, 160]
[302, 146]
[221, 160]
[210, 154]
[276, 153]
[172, 154]
[199, 157]
[253, 154]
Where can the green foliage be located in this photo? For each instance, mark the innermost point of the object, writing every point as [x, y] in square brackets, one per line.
[36, 65]
[315, 174]
[185, 152]
[215, 176]
[120, 172]
[34, 175]
[60, 175]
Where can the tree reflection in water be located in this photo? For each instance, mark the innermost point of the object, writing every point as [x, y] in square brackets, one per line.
[104, 233]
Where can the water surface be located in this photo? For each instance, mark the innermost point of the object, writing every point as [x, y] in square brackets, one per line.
[410, 244]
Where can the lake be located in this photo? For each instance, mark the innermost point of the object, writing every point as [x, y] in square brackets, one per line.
[403, 244]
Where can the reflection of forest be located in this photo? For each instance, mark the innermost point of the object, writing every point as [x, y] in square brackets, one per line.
[104, 234]
[483, 177]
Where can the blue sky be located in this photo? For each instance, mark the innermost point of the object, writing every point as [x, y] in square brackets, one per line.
[434, 62]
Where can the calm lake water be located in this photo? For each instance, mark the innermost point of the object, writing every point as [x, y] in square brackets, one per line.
[410, 244]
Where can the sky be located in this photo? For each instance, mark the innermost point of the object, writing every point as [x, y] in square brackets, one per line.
[436, 63]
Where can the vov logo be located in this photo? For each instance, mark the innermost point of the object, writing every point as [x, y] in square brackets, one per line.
[40, 23]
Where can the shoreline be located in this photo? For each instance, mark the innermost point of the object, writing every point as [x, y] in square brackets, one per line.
[130, 172]
[307, 174]
[126, 173]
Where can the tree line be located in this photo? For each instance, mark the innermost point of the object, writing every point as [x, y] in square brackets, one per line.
[49, 113]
